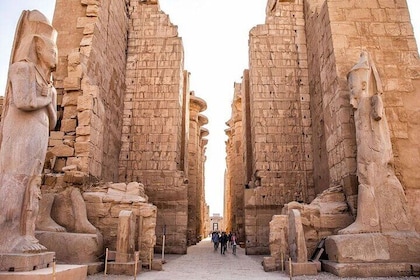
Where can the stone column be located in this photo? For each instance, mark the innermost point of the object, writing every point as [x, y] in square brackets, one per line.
[200, 193]
[197, 105]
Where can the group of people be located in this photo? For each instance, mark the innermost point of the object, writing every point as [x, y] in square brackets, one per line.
[224, 239]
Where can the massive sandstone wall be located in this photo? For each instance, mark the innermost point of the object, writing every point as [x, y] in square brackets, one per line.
[235, 179]
[337, 32]
[92, 39]
[279, 121]
[124, 110]
[156, 107]
[299, 133]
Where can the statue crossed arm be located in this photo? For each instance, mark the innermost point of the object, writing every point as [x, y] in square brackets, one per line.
[378, 185]
[29, 113]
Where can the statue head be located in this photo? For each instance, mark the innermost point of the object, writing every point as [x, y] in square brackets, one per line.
[35, 40]
[358, 78]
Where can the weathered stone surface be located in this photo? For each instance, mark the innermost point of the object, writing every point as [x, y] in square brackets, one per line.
[397, 247]
[62, 272]
[127, 268]
[25, 262]
[296, 238]
[73, 248]
[269, 264]
[125, 237]
[279, 247]
[298, 133]
[382, 206]
[104, 209]
[298, 269]
[371, 269]
[29, 113]
[69, 210]
[62, 151]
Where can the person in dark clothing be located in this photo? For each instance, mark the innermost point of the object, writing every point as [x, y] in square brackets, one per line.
[215, 239]
[223, 243]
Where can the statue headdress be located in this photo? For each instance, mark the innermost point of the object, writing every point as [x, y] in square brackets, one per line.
[366, 63]
[31, 24]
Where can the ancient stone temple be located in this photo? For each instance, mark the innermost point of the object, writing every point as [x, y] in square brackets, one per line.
[294, 124]
[129, 138]
[125, 101]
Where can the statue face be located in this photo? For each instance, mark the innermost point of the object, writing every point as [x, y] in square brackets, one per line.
[357, 84]
[47, 53]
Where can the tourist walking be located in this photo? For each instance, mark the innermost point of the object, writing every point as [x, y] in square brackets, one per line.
[223, 243]
[215, 239]
[233, 242]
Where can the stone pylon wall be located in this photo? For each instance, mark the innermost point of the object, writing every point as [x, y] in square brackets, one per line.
[90, 84]
[124, 108]
[154, 139]
[279, 121]
[337, 32]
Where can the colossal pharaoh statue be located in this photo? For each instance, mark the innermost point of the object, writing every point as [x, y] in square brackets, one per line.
[28, 115]
[382, 205]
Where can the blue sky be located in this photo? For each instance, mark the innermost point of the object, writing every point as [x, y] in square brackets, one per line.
[207, 27]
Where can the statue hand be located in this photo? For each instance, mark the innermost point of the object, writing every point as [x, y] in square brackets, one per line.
[47, 90]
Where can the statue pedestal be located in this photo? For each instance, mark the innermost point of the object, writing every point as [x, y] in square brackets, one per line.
[74, 248]
[373, 254]
[62, 272]
[25, 262]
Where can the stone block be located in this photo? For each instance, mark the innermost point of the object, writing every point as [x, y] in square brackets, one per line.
[157, 265]
[25, 262]
[125, 236]
[84, 102]
[371, 269]
[269, 264]
[56, 135]
[72, 248]
[397, 247]
[75, 177]
[68, 125]
[127, 268]
[298, 269]
[71, 83]
[62, 151]
[70, 98]
[122, 187]
[93, 197]
[84, 117]
[62, 272]
[83, 21]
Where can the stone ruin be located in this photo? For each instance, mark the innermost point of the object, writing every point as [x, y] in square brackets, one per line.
[127, 135]
[315, 130]
[303, 176]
